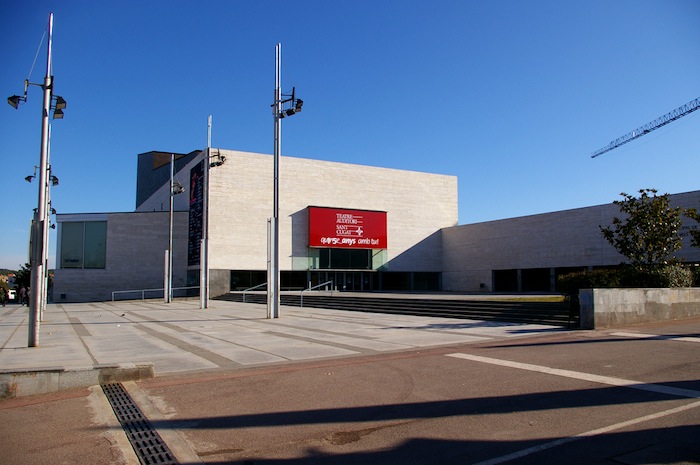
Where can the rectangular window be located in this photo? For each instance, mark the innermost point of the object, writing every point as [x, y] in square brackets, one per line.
[345, 259]
[95, 246]
[72, 245]
[84, 244]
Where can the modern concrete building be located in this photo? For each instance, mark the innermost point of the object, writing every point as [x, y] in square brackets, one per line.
[363, 228]
[527, 253]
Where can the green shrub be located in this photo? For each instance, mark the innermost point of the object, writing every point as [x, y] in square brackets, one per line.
[675, 275]
[696, 275]
[571, 283]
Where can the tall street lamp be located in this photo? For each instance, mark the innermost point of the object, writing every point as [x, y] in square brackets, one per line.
[175, 189]
[204, 243]
[285, 105]
[38, 252]
[51, 182]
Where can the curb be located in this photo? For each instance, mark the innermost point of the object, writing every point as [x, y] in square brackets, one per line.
[32, 381]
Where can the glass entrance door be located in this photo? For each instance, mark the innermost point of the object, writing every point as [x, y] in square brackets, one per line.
[344, 280]
[352, 281]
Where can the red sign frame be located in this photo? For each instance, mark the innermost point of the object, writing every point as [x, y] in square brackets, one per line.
[349, 229]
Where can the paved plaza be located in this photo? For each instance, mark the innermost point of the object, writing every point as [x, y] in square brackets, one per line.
[324, 386]
[181, 337]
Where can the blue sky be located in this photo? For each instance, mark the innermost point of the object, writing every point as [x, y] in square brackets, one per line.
[510, 96]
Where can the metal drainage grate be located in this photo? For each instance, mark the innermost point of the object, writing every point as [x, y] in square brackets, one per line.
[145, 440]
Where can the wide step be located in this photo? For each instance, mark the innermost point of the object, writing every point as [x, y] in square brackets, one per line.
[550, 313]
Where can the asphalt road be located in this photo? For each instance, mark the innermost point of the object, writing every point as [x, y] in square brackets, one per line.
[618, 396]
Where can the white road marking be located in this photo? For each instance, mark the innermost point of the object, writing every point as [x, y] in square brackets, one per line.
[583, 376]
[587, 434]
[668, 337]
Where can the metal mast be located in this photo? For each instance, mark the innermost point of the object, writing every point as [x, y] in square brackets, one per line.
[273, 286]
[647, 128]
[38, 253]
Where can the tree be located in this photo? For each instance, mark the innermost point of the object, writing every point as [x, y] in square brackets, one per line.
[693, 214]
[23, 276]
[649, 235]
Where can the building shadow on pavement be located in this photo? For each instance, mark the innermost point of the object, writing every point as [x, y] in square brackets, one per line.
[677, 444]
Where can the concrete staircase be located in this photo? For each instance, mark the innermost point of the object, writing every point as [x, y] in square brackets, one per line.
[548, 313]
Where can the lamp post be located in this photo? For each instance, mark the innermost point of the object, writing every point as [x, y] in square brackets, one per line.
[285, 105]
[175, 189]
[51, 181]
[38, 252]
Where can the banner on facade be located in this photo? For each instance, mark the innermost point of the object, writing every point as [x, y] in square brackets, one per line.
[196, 214]
[341, 228]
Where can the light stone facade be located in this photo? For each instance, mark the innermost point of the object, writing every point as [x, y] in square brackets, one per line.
[563, 239]
[136, 245]
[240, 202]
[418, 206]
[422, 228]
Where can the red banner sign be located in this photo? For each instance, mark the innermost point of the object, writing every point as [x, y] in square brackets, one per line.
[355, 229]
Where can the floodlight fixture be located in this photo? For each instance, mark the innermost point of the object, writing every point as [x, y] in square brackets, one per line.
[217, 160]
[60, 103]
[293, 110]
[58, 106]
[14, 101]
[177, 189]
[32, 176]
[54, 181]
[295, 104]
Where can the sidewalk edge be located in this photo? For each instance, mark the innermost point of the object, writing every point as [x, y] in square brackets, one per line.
[28, 382]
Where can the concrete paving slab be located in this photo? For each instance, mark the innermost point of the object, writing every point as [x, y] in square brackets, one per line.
[180, 337]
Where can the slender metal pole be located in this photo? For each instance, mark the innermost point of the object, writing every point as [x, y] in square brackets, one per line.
[170, 230]
[166, 260]
[269, 268]
[38, 254]
[47, 215]
[275, 275]
[202, 280]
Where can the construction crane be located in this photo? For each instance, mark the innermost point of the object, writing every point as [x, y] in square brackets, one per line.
[647, 128]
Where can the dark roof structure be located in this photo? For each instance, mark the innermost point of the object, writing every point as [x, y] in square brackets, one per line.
[153, 171]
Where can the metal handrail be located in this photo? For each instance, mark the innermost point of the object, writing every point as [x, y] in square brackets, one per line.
[249, 289]
[143, 291]
[301, 293]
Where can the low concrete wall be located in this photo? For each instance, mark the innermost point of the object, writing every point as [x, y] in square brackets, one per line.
[604, 308]
[20, 383]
